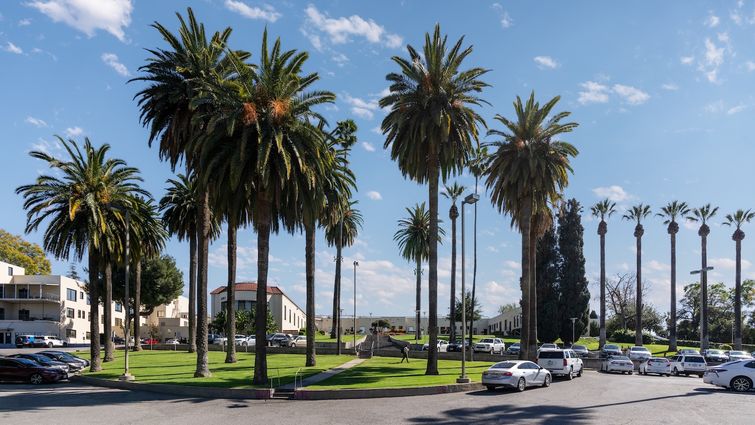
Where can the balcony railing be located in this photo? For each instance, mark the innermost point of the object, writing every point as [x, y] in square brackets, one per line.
[30, 318]
[30, 297]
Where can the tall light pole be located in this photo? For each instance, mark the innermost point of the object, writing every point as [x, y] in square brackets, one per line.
[356, 263]
[126, 375]
[573, 319]
[703, 272]
[464, 379]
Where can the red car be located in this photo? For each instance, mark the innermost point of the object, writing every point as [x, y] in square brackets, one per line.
[150, 341]
[28, 371]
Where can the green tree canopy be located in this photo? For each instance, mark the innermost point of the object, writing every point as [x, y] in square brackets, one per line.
[475, 312]
[162, 282]
[548, 264]
[15, 250]
[575, 296]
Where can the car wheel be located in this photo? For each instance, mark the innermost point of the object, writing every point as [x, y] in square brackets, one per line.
[36, 379]
[579, 374]
[699, 375]
[675, 372]
[521, 385]
[490, 387]
[547, 381]
[49, 345]
[570, 375]
[741, 384]
[630, 373]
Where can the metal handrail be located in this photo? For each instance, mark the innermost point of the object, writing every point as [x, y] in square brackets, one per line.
[278, 377]
[301, 379]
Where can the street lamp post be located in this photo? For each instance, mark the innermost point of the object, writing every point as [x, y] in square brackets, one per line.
[126, 375]
[703, 272]
[463, 379]
[356, 263]
[573, 319]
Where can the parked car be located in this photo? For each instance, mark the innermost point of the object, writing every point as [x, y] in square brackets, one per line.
[212, 338]
[65, 357]
[561, 362]
[715, 356]
[299, 341]
[45, 361]
[688, 351]
[639, 353]
[738, 355]
[518, 374]
[514, 348]
[150, 341]
[442, 346]
[659, 365]
[688, 364]
[581, 350]
[249, 341]
[490, 345]
[279, 340]
[738, 375]
[26, 370]
[456, 345]
[25, 341]
[548, 346]
[620, 364]
[609, 350]
[172, 341]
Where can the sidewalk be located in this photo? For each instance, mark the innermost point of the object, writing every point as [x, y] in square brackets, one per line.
[314, 379]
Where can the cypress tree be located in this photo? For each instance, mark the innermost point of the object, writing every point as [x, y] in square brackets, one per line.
[547, 275]
[574, 294]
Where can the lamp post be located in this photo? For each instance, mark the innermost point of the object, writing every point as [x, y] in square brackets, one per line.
[463, 379]
[703, 272]
[356, 263]
[573, 320]
[126, 375]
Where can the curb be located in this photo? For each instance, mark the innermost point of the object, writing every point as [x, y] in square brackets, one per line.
[305, 394]
[182, 390]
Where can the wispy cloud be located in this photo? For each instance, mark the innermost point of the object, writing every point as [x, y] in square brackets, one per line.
[363, 108]
[12, 48]
[111, 60]
[750, 65]
[24, 22]
[505, 18]
[593, 92]
[687, 60]
[88, 16]
[374, 195]
[546, 62]
[670, 86]
[736, 109]
[631, 95]
[368, 146]
[267, 13]
[343, 29]
[712, 21]
[74, 131]
[35, 122]
[614, 193]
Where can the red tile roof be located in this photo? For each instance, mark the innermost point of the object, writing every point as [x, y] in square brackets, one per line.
[247, 286]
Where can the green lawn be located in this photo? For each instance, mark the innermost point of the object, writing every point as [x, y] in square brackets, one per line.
[344, 338]
[425, 338]
[389, 372]
[176, 367]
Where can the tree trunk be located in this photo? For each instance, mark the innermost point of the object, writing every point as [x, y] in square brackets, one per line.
[230, 307]
[738, 295]
[95, 363]
[533, 295]
[137, 305]
[192, 290]
[432, 284]
[704, 294]
[638, 295]
[309, 254]
[418, 299]
[108, 312]
[334, 330]
[452, 324]
[524, 227]
[602, 340]
[263, 251]
[203, 241]
[672, 318]
[474, 276]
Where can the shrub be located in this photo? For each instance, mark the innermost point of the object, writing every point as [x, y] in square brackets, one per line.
[302, 331]
[627, 337]
[594, 329]
[322, 332]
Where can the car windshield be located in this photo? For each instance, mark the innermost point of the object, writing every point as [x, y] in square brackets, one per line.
[643, 349]
[715, 352]
[694, 359]
[503, 365]
[610, 347]
[625, 358]
[516, 344]
[25, 362]
[737, 353]
[551, 355]
[486, 341]
[660, 359]
[578, 347]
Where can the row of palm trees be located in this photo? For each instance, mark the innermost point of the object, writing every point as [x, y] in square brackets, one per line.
[672, 213]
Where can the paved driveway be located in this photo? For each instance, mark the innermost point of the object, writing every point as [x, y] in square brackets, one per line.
[594, 398]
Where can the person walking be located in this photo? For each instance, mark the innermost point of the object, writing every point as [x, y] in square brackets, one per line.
[405, 354]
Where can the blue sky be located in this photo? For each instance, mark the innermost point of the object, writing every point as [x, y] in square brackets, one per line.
[662, 92]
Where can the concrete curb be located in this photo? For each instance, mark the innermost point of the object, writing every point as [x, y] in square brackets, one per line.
[305, 394]
[182, 390]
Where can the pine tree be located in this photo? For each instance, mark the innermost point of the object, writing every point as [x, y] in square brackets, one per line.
[575, 296]
[548, 264]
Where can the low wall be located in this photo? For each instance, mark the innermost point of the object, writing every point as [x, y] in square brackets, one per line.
[305, 394]
[181, 390]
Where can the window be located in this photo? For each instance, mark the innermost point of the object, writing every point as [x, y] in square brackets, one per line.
[71, 294]
[284, 312]
[160, 314]
[119, 322]
[750, 365]
[81, 295]
[69, 313]
[23, 314]
[81, 314]
[118, 307]
[2, 314]
[89, 300]
[88, 335]
[89, 316]
[10, 271]
[70, 333]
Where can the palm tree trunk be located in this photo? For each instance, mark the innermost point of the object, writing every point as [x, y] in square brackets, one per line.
[230, 316]
[672, 318]
[524, 227]
[432, 325]
[638, 296]
[263, 251]
[192, 290]
[738, 298]
[474, 276]
[532, 334]
[108, 312]
[602, 340]
[452, 324]
[337, 285]
[137, 305]
[418, 299]
[704, 294]
[95, 363]
[309, 253]
[203, 241]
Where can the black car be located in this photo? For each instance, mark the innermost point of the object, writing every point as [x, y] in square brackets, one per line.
[26, 370]
[279, 340]
[716, 356]
[76, 363]
[456, 345]
[610, 350]
[45, 361]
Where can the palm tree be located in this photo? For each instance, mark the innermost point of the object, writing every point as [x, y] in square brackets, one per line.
[413, 238]
[737, 220]
[526, 174]
[430, 130]
[670, 213]
[603, 210]
[637, 213]
[169, 107]
[76, 203]
[477, 165]
[702, 215]
[453, 192]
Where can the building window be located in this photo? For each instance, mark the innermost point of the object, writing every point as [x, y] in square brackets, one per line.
[88, 336]
[69, 313]
[2, 314]
[284, 312]
[23, 314]
[89, 316]
[10, 271]
[89, 300]
[81, 295]
[71, 294]
[70, 333]
[160, 314]
[81, 314]
[118, 307]
[119, 322]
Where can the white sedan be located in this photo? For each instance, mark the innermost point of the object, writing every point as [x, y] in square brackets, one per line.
[620, 364]
[442, 346]
[738, 355]
[249, 341]
[639, 353]
[518, 374]
[737, 375]
[659, 365]
[173, 341]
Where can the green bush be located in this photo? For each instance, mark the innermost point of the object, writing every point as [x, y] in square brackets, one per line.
[594, 329]
[627, 337]
[322, 332]
[302, 331]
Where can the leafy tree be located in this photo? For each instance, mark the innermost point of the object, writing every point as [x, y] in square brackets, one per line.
[603, 210]
[548, 287]
[72, 272]
[575, 296]
[670, 213]
[161, 283]
[473, 313]
[638, 213]
[17, 251]
[720, 309]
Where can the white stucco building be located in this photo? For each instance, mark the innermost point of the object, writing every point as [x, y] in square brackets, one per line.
[288, 316]
[169, 320]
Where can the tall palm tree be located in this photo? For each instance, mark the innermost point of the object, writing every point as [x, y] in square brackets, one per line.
[453, 192]
[477, 166]
[603, 210]
[526, 174]
[670, 213]
[638, 213]
[431, 130]
[737, 219]
[76, 203]
[174, 78]
[702, 215]
[413, 238]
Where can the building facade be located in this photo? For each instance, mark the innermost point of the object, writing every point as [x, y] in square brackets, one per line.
[47, 305]
[289, 318]
[167, 321]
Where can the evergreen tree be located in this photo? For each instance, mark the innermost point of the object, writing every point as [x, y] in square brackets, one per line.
[575, 296]
[547, 274]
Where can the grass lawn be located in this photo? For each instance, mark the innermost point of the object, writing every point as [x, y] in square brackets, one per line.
[344, 338]
[388, 372]
[176, 367]
[425, 338]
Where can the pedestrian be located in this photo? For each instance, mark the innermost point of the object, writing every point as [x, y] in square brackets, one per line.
[405, 354]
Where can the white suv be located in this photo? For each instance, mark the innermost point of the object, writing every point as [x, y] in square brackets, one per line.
[561, 362]
[688, 364]
[490, 345]
[49, 341]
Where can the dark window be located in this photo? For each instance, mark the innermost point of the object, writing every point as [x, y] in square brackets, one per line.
[71, 294]
[23, 293]
[551, 354]
[694, 359]
[2, 314]
[89, 300]
[118, 307]
[23, 314]
[70, 333]
[88, 335]
[69, 313]
[10, 271]
[750, 365]
[81, 295]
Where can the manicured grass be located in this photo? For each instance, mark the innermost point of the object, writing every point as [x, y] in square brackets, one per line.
[176, 367]
[425, 338]
[344, 338]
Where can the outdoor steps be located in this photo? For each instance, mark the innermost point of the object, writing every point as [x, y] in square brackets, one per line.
[283, 394]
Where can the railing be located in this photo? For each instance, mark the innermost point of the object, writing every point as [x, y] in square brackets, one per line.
[277, 377]
[31, 319]
[301, 378]
[31, 297]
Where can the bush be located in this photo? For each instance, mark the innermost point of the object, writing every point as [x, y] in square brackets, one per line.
[322, 332]
[302, 331]
[594, 329]
[627, 337]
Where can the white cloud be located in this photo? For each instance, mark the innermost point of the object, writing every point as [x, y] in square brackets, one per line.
[727, 263]
[687, 60]
[111, 60]
[669, 87]
[35, 122]
[47, 147]
[74, 131]
[512, 264]
[750, 65]
[736, 109]
[631, 95]
[340, 59]
[658, 266]
[715, 107]
[712, 21]
[593, 93]
[374, 195]
[368, 146]
[362, 108]
[88, 16]
[24, 22]
[377, 130]
[713, 59]
[614, 193]
[268, 13]
[341, 30]
[12, 48]
[506, 21]
[544, 62]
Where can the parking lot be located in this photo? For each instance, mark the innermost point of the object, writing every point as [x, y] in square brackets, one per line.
[593, 398]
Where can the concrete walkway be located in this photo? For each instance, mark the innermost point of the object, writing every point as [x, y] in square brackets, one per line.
[310, 380]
